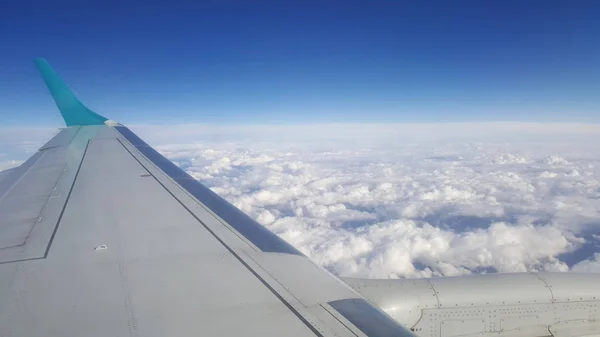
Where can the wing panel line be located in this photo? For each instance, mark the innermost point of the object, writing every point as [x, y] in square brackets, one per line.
[339, 320]
[62, 212]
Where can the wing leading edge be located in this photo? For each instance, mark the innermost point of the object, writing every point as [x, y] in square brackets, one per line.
[123, 242]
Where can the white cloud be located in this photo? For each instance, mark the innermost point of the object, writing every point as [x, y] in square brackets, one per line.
[408, 200]
[590, 265]
[18, 144]
[411, 200]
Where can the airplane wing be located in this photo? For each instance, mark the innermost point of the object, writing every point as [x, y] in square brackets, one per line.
[100, 235]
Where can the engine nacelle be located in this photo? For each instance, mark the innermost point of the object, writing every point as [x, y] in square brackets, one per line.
[519, 304]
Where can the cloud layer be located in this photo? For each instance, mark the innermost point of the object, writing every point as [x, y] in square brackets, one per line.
[18, 144]
[412, 200]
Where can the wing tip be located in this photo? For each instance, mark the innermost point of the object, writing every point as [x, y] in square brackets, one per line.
[72, 110]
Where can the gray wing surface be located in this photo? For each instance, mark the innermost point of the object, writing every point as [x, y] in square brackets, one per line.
[100, 235]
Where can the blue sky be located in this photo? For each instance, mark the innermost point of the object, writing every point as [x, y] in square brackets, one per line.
[304, 61]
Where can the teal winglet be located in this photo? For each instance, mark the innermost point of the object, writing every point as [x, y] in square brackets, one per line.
[72, 110]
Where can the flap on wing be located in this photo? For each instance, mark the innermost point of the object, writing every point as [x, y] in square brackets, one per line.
[33, 195]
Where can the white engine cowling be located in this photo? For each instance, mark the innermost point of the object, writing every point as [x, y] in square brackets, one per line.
[519, 304]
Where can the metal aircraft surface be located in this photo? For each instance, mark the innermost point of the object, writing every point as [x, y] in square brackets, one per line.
[100, 235]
